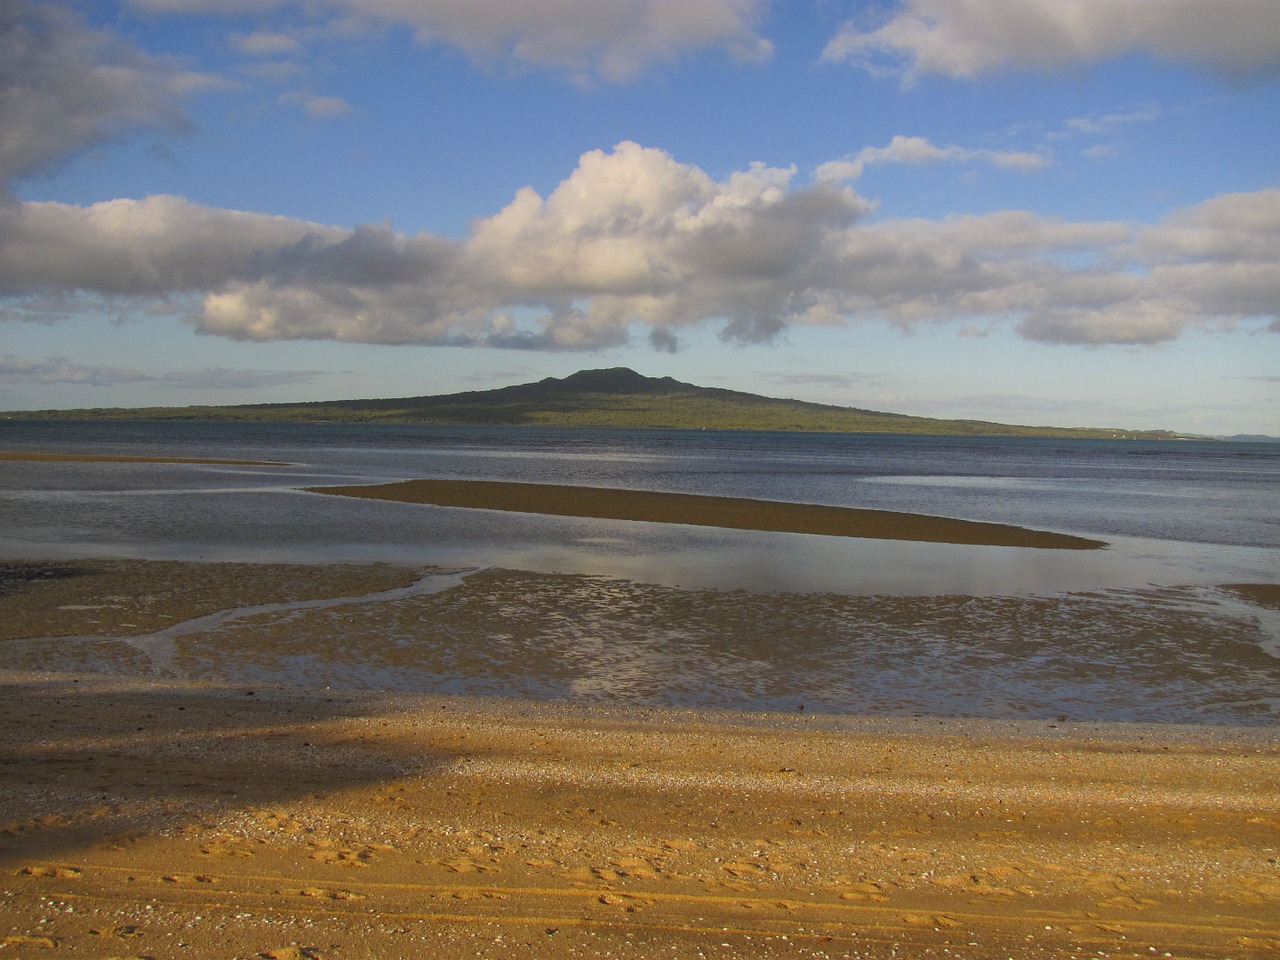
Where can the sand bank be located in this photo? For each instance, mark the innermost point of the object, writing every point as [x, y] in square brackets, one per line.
[154, 819]
[732, 512]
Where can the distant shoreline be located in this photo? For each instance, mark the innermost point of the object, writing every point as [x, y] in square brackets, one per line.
[33, 456]
[728, 512]
[617, 398]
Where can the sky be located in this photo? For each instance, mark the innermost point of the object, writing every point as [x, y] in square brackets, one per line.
[1056, 212]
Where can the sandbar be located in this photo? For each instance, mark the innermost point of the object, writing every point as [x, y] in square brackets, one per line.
[709, 511]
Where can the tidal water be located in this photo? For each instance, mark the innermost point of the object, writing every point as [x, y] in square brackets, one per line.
[1139, 630]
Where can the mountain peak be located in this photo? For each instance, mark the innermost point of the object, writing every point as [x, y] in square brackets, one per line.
[610, 380]
[618, 379]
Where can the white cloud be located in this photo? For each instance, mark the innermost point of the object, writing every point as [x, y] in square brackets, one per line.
[1109, 123]
[316, 106]
[65, 87]
[634, 242]
[151, 247]
[610, 40]
[267, 43]
[972, 37]
[919, 151]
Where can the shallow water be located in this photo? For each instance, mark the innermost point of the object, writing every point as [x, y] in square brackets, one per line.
[1173, 513]
[1172, 655]
[653, 613]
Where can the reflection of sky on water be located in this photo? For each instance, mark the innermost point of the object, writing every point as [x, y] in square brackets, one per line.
[1172, 514]
[237, 513]
[1135, 630]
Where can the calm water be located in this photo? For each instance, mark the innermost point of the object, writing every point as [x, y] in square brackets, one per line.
[1180, 518]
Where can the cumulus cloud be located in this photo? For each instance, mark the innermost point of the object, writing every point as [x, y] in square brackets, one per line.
[634, 243]
[630, 237]
[972, 37]
[919, 151]
[610, 40]
[65, 87]
[151, 247]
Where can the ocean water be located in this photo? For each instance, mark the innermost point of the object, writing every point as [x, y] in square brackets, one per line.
[1139, 630]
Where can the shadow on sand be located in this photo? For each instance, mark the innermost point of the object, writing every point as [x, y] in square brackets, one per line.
[91, 763]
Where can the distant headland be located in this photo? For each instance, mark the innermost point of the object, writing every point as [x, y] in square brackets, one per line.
[616, 397]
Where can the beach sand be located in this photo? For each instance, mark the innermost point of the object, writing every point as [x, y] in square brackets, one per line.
[148, 817]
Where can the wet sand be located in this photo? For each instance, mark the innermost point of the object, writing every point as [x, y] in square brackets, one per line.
[731, 512]
[150, 817]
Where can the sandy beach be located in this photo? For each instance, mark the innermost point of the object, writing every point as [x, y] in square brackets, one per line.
[177, 782]
[150, 819]
[149, 816]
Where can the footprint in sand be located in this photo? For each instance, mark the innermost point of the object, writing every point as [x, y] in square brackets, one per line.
[127, 932]
[21, 940]
[323, 893]
[122, 841]
[679, 846]
[869, 891]
[753, 869]
[465, 865]
[635, 867]
[478, 895]
[939, 921]
[59, 872]
[281, 822]
[230, 847]
[628, 902]
[976, 885]
[326, 852]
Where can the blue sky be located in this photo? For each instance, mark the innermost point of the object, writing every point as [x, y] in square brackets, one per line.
[1034, 211]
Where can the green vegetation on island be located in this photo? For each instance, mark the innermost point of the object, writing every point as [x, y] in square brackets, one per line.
[599, 398]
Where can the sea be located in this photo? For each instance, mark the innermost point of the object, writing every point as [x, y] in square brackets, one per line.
[1148, 629]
